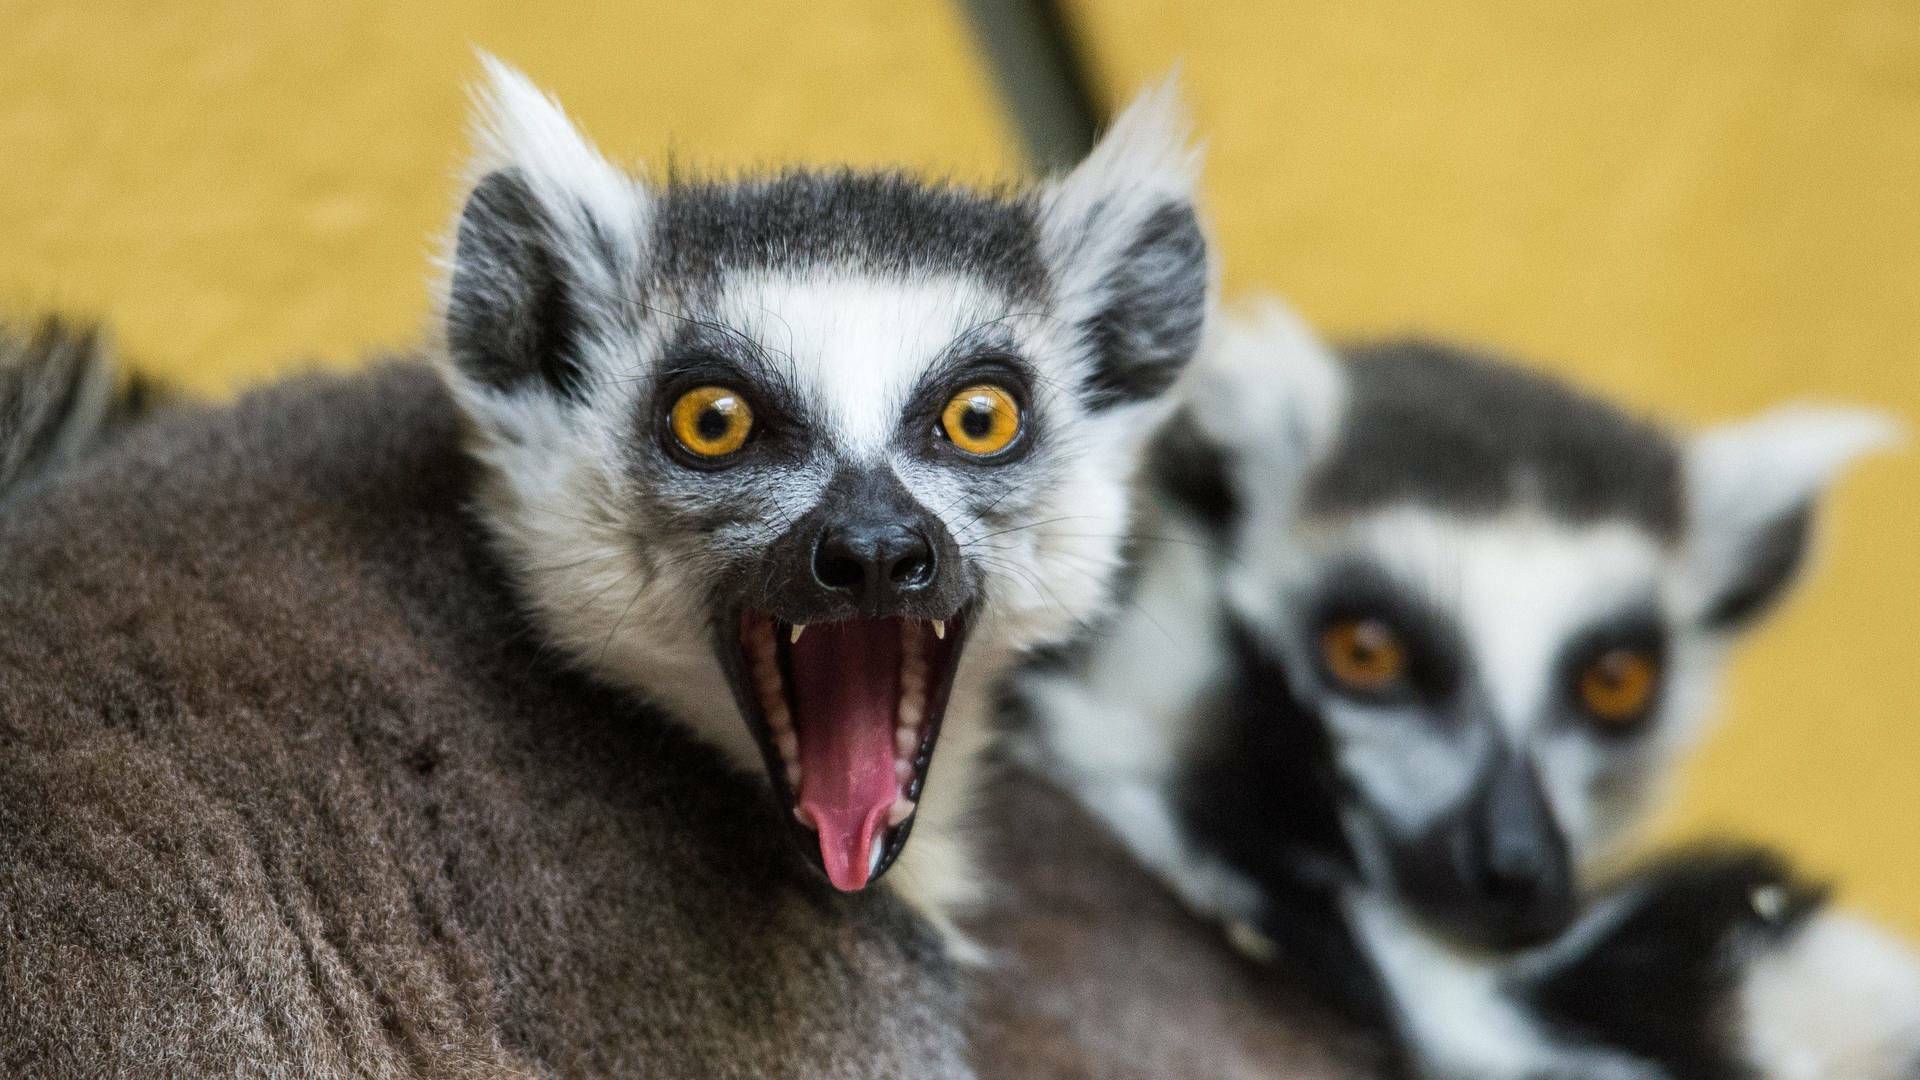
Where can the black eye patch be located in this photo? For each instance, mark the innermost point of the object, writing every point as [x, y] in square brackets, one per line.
[705, 352]
[1435, 655]
[1636, 630]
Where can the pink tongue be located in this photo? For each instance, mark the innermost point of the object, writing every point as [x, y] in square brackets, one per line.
[846, 685]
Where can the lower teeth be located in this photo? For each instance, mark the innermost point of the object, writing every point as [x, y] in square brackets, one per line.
[906, 735]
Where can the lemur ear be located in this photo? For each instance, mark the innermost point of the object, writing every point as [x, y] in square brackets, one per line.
[549, 245]
[1259, 410]
[1751, 491]
[1122, 236]
[1270, 392]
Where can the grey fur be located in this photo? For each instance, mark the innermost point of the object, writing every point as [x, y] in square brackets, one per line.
[290, 790]
[885, 224]
[60, 398]
[512, 314]
[1098, 973]
[1157, 309]
[1457, 430]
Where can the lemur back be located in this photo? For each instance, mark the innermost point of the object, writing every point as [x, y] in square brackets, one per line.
[291, 790]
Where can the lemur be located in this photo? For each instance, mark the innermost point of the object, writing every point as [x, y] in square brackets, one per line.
[459, 719]
[1414, 640]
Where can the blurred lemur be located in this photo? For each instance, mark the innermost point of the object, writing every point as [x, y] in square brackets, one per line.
[1414, 640]
[463, 724]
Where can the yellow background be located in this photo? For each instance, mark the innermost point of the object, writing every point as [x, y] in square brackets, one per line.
[1700, 207]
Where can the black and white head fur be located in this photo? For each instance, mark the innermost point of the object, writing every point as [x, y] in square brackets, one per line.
[846, 311]
[1507, 532]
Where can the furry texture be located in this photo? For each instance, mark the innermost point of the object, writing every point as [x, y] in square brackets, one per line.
[843, 306]
[60, 397]
[292, 788]
[1465, 434]
[1097, 972]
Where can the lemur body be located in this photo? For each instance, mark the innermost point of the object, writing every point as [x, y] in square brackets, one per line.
[290, 790]
[403, 725]
[1414, 640]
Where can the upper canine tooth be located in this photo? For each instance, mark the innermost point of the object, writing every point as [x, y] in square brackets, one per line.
[798, 628]
[940, 629]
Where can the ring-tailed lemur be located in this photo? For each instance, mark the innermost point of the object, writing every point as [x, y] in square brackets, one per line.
[1415, 639]
[302, 775]
[809, 459]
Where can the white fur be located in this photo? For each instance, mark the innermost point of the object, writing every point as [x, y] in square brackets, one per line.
[1840, 1000]
[855, 345]
[1274, 392]
[1452, 1008]
[1112, 734]
[516, 126]
[1115, 731]
[1742, 477]
[1144, 161]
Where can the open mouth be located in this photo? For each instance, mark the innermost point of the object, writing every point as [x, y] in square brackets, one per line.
[847, 714]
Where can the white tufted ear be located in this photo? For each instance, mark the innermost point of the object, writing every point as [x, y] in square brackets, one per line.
[516, 126]
[1751, 490]
[1121, 234]
[549, 244]
[1269, 394]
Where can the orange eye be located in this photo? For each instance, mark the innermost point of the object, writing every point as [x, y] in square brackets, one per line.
[982, 420]
[711, 421]
[1365, 655]
[1618, 686]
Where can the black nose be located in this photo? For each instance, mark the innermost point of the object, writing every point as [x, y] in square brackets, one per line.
[873, 563]
[1521, 868]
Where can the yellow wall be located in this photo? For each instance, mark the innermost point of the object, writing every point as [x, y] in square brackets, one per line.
[1703, 207]
[241, 183]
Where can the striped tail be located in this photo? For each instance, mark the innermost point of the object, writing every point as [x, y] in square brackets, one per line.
[61, 396]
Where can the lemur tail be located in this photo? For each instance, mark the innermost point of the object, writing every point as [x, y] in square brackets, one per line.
[60, 397]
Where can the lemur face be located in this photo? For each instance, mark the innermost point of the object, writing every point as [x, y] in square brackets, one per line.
[1499, 695]
[1506, 604]
[1419, 624]
[808, 458]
